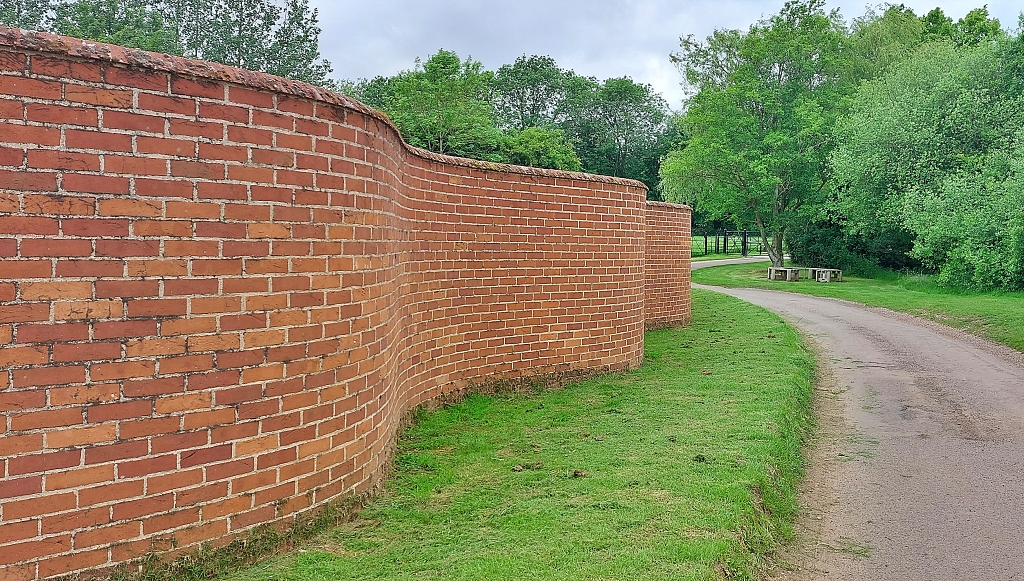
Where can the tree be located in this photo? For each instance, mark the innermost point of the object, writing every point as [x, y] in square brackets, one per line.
[295, 50]
[27, 14]
[879, 42]
[132, 23]
[935, 147]
[760, 123]
[530, 93]
[541, 147]
[440, 105]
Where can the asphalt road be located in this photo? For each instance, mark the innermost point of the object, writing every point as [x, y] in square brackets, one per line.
[918, 469]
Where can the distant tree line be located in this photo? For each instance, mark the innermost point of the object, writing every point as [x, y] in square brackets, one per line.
[893, 141]
[281, 38]
[530, 112]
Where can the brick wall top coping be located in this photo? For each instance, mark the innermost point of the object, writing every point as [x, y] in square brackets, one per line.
[133, 57]
[667, 204]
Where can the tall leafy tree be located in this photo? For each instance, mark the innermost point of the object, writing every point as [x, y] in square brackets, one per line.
[441, 105]
[295, 50]
[28, 14]
[530, 92]
[133, 23]
[759, 125]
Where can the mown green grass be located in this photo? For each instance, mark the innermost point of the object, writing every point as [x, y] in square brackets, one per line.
[683, 469]
[714, 256]
[998, 316]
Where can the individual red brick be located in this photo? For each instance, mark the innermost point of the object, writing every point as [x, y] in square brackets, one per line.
[221, 191]
[24, 87]
[18, 531]
[11, 109]
[147, 466]
[162, 104]
[119, 451]
[90, 268]
[12, 487]
[48, 333]
[171, 520]
[86, 352]
[126, 248]
[220, 112]
[208, 129]
[20, 445]
[120, 207]
[248, 135]
[10, 61]
[109, 493]
[197, 169]
[55, 247]
[119, 411]
[157, 308]
[106, 289]
[96, 96]
[96, 228]
[121, 370]
[40, 376]
[205, 455]
[33, 181]
[113, 534]
[43, 462]
[53, 159]
[14, 133]
[163, 188]
[140, 79]
[95, 184]
[151, 387]
[97, 140]
[61, 114]
[27, 225]
[10, 156]
[29, 313]
[133, 122]
[80, 477]
[23, 356]
[46, 419]
[133, 165]
[143, 507]
[122, 329]
[59, 204]
[60, 290]
[197, 88]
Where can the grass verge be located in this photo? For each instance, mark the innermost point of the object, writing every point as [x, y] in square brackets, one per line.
[683, 469]
[997, 316]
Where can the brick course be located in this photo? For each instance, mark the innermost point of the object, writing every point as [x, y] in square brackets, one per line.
[221, 290]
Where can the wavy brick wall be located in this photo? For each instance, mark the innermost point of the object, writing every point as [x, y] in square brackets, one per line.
[220, 291]
[667, 265]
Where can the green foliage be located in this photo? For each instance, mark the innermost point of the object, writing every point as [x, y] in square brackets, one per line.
[671, 459]
[935, 147]
[532, 92]
[28, 14]
[441, 105]
[260, 35]
[132, 23]
[759, 125]
[541, 147]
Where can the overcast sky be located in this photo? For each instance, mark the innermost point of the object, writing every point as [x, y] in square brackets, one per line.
[599, 38]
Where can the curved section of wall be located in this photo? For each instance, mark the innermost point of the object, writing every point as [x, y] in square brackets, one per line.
[220, 290]
[667, 265]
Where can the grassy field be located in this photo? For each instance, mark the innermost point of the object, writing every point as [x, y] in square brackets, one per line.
[998, 316]
[683, 469]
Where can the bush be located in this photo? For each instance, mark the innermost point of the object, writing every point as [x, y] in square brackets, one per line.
[827, 245]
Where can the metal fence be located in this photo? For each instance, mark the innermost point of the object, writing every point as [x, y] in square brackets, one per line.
[725, 242]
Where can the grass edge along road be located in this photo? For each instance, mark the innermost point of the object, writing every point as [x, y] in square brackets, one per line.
[683, 469]
[995, 316]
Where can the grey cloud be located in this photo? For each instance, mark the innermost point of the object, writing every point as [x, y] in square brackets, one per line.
[600, 38]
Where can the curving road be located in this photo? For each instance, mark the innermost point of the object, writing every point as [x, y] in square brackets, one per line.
[918, 473]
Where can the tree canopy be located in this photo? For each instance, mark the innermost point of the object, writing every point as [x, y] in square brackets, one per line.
[262, 35]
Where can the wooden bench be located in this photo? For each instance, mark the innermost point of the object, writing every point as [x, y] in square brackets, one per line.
[783, 273]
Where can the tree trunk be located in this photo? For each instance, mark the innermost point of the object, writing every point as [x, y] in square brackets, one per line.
[775, 252]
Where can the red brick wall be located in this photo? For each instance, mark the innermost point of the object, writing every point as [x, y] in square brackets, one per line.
[667, 265]
[220, 290]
